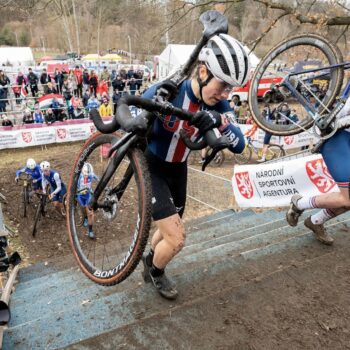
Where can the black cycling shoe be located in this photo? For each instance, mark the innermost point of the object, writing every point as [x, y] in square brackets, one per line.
[164, 287]
[146, 274]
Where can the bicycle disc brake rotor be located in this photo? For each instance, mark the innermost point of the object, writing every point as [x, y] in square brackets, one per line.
[111, 212]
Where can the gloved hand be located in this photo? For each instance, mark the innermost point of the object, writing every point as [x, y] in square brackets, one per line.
[206, 120]
[16, 179]
[169, 87]
[136, 124]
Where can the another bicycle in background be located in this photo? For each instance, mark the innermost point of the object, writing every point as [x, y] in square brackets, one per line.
[254, 147]
[26, 183]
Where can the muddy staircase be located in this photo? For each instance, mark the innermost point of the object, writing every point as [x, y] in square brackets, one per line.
[55, 306]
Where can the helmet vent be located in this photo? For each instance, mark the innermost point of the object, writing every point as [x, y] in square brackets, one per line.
[233, 55]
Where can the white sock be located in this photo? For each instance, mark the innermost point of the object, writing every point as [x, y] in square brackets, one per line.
[306, 203]
[322, 216]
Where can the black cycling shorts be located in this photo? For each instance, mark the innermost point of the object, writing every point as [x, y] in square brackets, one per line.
[267, 138]
[169, 182]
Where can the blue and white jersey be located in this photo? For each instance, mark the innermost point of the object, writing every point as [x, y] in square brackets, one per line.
[85, 183]
[166, 142]
[55, 182]
[35, 173]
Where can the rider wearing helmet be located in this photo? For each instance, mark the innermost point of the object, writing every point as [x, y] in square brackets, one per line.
[84, 194]
[223, 64]
[32, 169]
[57, 187]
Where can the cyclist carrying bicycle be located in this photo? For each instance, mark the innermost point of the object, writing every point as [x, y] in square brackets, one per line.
[34, 171]
[223, 64]
[336, 154]
[84, 193]
[57, 187]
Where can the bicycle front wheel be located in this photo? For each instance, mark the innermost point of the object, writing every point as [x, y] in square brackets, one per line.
[218, 159]
[122, 222]
[274, 151]
[289, 63]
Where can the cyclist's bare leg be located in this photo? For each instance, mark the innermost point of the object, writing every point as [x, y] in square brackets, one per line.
[157, 237]
[334, 199]
[90, 215]
[173, 235]
[59, 207]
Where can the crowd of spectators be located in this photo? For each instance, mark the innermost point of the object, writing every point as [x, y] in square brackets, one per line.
[81, 90]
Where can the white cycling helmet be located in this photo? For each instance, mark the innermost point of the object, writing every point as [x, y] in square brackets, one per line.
[226, 59]
[87, 169]
[31, 164]
[45, 165]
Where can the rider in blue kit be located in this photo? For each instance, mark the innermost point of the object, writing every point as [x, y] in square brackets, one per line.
[84, 194]
[223, 64]
[34, 171]
[57, 187]
[336, 154]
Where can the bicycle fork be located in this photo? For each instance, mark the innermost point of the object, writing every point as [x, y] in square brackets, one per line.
[113, 164]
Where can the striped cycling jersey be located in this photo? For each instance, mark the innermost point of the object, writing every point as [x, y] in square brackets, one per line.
[166, 142]
[55, 182]
[85, 183]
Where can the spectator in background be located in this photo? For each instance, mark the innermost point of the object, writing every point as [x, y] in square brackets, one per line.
[242, 109]
[38, 116]
[115, 99]
[105, 76]
[86, 80]
[113, 76]
[59, 80]
[6, 121]
[293, 116]
[73, 83]
[56, 108]
[67, 91]
[132, 84]
[3, 98]
[49, 117]
[21, 81]
[93, 103]
[79, 79]
[118, 84]
[86, 97]
[32, 82]
[105, 109]
[51, 89]
[44, 79]
[28, 117]
[93, 82]
[139, 79]
[130, 73]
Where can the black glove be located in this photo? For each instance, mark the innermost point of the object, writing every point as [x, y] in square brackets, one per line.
[137, 124]
[170, 89]
[206, 120]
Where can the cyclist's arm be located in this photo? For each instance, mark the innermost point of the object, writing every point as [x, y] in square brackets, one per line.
[58, 181]
[20, 171]
[235, 137]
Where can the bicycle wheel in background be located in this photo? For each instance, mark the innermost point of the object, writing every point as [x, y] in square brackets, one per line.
[274, 151]
[218, 159]
[122, 227]
[296, 54]
[244, 157]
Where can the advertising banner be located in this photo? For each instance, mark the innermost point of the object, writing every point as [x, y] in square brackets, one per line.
[272, 185]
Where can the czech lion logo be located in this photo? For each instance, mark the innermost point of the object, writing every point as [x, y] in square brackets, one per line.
[244, 184]
[27, 137]
[61, 133]
[288, 140]
[319, 175]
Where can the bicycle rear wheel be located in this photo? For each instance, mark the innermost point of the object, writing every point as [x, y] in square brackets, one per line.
[274, 151]
[122, 227]
[244, 157]
[318, 89]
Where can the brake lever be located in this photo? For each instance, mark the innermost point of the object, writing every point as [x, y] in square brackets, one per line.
[221, 144]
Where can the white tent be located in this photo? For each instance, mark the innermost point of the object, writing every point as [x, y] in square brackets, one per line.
[175, 55]
[16, 56]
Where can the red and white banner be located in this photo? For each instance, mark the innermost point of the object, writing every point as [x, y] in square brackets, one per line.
[41, 134]
[289, 142]
[272, 185]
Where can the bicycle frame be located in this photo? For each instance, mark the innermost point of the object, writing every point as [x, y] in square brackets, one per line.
[301, 99]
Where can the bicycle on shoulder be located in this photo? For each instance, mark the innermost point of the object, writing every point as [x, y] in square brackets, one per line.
[122, 198]
[309, 70]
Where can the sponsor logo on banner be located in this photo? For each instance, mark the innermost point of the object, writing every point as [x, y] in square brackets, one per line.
[61, 133]
[27, 137]
[319, 175]
[288, 140]
[244, 184]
